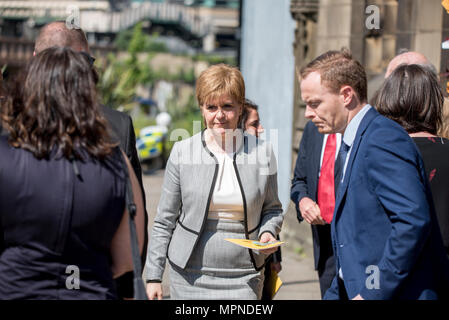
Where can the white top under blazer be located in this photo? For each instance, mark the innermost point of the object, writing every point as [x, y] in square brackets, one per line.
[227, 201]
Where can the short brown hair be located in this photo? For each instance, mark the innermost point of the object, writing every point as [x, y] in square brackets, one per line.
[412, 97]
[337, 69]
[218, 80]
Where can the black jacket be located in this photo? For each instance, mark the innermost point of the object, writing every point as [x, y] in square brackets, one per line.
[305, 184]
[122, 131]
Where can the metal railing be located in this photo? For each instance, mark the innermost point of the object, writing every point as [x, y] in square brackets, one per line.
[97, 16]
[17, 52]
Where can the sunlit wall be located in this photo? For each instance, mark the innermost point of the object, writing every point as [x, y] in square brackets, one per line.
[267, 64]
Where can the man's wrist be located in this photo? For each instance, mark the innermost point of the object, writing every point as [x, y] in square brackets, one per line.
[303, 200]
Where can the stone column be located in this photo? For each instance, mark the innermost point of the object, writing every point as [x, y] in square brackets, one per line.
[428, 30]
[305, 14]
[444, 63]
[334, 25]
[372, 41]
[420, 28]
[390, 17]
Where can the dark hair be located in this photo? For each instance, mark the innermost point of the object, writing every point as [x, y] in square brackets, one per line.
[412, 97]
[337, 69]
[55, 106]
[248, 104]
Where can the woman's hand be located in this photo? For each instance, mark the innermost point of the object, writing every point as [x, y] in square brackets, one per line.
[154, 290]
[267, 237]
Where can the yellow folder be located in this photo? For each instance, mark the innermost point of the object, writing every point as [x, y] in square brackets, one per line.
[274, 282]
[254, 244]
[445, 4]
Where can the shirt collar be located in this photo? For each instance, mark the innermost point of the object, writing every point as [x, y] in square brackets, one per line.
[351, 129]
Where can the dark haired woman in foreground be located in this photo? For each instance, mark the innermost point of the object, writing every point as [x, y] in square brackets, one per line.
[412, 97]
[62, 200]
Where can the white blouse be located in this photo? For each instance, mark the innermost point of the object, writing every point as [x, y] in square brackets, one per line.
[227, 201]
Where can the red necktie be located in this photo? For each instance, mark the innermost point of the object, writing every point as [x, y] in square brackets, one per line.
[326, 192]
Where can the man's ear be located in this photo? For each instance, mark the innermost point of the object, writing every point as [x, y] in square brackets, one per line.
[34, 53]
[347, 94]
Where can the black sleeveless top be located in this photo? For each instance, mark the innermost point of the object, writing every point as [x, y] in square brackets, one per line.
[435, 153]
[56, 227]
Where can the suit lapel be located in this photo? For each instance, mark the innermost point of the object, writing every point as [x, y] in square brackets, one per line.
[369, 116]
[316, 155]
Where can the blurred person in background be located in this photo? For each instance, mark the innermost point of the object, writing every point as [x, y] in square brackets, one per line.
[413, 57]
[62, 205]
[409, 57]
[251, 124]
[216, 186]
[412, 97]
[250, 119]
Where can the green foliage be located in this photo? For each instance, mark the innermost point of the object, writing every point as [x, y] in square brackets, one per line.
[178, 112]
[163, 74]
[185, 76]
[123, 38]
[183, 117]
[188, 76]
[135, 40]
[142, 121]
[300, 251]
[214, 59]
[119, 78]
[155, 46]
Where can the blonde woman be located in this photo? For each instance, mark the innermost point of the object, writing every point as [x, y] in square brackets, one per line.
[220, 183]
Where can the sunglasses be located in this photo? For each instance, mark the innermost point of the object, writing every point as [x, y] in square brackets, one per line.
[88, 57]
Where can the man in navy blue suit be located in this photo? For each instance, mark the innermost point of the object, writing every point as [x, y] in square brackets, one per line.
[385, 235]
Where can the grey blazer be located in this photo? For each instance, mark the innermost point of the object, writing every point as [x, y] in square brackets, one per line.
[188, 185]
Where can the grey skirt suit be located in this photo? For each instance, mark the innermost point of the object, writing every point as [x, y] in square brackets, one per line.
[202, 264]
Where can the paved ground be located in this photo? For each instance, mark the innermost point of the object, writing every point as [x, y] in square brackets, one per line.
[300, 281]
